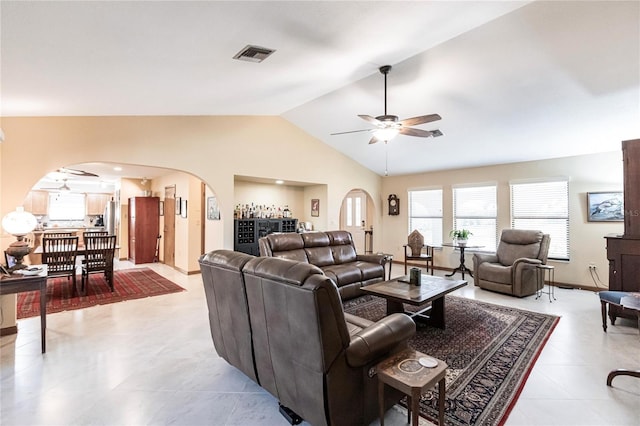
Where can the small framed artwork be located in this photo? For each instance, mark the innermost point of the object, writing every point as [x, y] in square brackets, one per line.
[315, 207]
[213, 211]
[183, 208]
[605, 206]
[161, 208]
[178, 204]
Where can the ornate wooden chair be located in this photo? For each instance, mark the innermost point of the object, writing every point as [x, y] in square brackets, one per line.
[99, 254]
[419, 251]
[54, 234]
[59, 254]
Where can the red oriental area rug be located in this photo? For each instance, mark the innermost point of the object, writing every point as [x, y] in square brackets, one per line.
[490, 350]
[129, 284]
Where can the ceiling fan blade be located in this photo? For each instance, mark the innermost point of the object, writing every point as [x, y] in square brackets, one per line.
[371, 119]
[374, 140]
[77, 172]
[351, 131]
[415, 132]
[413, 121]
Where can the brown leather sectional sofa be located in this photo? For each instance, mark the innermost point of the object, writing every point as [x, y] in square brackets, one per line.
[282, 324]
[334, 252]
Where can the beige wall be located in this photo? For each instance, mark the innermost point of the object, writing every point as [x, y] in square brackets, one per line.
[589, 173]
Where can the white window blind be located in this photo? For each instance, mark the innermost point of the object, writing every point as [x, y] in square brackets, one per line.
[543, 206]
[66, 206]
[475, 209]
[425, 214]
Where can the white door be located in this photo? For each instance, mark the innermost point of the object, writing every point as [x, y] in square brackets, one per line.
[354, 213]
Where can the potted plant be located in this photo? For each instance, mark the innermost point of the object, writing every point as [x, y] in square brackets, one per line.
[460, 236]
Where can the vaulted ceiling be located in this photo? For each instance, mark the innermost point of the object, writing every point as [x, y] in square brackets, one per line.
[513, 81]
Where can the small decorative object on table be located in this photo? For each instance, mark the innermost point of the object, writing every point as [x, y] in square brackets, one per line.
[461, 236]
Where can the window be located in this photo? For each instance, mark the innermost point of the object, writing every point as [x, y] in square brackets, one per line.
[475, 209]
[543, 205]
[66, 206]
[425, 214]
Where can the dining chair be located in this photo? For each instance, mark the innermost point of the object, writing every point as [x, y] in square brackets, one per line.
[98, 257]
[86, 234]
[59, 254]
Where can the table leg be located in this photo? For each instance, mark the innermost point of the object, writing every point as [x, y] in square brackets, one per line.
[381, 401]
[436, 317]
[461, 268]
[43, 315]
[441, 393]
[415, 406]
[394, 307]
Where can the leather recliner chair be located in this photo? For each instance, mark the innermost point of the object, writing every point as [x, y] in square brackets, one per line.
[310, 355]
[513, 268]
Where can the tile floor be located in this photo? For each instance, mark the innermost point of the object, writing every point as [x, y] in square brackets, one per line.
[152, 362]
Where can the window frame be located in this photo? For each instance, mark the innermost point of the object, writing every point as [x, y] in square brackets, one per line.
[428, 236]
[477, 236]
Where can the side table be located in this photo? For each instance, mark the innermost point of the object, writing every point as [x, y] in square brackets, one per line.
[404, 372]
[541, 269]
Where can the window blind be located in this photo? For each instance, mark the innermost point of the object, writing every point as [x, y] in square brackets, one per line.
[425, 214]
[475, 209]
[544, 206]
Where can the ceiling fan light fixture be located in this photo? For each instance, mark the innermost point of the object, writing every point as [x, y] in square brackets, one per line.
[386, 134]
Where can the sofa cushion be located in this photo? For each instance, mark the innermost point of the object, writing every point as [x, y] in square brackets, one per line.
[320, 256]
[343, 254]
[343, 274]
[518, 243]
[370, 270]
[315, 239]
[495, 272]
[299, 255]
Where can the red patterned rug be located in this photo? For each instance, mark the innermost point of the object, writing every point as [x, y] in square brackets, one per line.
[128, 284]
[490, 350]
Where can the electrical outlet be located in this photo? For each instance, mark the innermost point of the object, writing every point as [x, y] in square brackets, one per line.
[592, 266]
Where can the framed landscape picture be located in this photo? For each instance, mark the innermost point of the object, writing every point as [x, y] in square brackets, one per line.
[605, 206]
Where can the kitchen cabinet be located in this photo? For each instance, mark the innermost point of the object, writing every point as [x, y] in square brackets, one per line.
[144, 228]
[96, 203]
[37, 203]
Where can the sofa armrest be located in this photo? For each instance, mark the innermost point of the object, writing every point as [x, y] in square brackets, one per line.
[379, 339]
[380, 259]
[479, 258]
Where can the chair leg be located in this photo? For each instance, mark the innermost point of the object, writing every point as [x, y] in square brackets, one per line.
[603, 306]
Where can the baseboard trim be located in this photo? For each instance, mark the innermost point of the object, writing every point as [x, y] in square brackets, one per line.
[7, 331]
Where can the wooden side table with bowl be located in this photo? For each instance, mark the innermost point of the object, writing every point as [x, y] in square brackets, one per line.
[412, 373]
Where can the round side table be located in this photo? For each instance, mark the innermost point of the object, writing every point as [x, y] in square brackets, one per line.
[550, 272]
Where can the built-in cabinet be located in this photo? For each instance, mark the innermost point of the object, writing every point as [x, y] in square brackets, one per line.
[37, 203]
[144, 228]
[623, 251]
[248, 231]
[96, 203]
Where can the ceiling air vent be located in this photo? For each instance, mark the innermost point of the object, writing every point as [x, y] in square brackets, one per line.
[253, 54]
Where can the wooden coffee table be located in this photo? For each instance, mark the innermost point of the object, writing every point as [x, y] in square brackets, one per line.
[433, 289]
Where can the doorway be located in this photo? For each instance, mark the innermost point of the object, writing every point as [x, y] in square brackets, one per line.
[169, 229]
[353, 217]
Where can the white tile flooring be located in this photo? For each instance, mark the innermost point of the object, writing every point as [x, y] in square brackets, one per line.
[152, 362]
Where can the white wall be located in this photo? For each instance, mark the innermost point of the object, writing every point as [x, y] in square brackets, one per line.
[588, 173]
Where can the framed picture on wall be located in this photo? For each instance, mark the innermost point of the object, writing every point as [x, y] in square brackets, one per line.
[161, 208]
[213, 212]
[183, 208]
[178, 204]
[315, 207]
[605, 206]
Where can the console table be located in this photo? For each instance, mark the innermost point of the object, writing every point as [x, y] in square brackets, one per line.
[17, 283]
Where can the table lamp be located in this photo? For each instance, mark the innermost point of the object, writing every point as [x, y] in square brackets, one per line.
[19, 223]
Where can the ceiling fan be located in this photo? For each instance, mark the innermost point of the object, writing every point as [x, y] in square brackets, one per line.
[388, 126]
[76, 172]
[63, 188]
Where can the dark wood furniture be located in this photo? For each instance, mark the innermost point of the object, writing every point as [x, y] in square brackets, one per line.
[623, 251]
[59, 254]
[425, 256]
[17, 283]
[247, 232]
[432, 289]
[404, 372]
[632, 303]
[98, 257]
[144, 228]
[462, 267]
